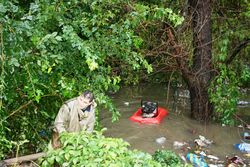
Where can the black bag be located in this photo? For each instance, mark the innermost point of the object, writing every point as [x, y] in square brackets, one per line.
[149, 107]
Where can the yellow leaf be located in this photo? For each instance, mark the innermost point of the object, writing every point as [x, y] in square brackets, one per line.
[49, 69]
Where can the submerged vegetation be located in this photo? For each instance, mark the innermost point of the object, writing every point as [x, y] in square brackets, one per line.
[51, 50]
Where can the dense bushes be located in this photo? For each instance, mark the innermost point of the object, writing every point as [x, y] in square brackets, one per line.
[94, 149]
[52, 50]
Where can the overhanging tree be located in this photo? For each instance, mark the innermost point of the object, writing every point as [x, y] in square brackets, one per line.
[213, 80]
[196, 70]
[200, 74]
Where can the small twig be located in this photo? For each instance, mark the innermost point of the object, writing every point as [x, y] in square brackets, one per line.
[169, 85]
[237, 49]
[25, 105]
[35, 163]
[237, 117]
[20, 108]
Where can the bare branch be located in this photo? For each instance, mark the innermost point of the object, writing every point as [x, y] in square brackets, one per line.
[236, 50]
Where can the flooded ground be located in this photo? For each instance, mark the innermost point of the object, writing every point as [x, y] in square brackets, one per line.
[177, 126]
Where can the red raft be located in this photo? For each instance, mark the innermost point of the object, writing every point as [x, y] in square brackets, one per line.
[137, 117]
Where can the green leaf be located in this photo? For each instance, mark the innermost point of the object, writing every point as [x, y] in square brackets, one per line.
[2, 8]
[67, 156]
[58, 38]
[14, 61]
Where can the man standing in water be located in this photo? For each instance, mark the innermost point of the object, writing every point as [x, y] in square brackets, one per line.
[75, 115]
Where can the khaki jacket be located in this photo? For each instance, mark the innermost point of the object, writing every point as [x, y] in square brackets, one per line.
[71, 118]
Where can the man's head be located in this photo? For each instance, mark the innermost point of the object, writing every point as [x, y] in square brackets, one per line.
[86, 99]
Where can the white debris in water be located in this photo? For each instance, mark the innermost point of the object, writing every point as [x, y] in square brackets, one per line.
[183, 158]
[126, 103]
[240, 126]
[243, 102]
[160, 140]
[217, 165]
[202, 141]
[178, 145]
[203, 153]
[213, 157]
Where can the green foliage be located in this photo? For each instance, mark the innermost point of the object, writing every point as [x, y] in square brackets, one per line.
[225, 88]
[167, 158]
[154, 13]
[94, 149]
[5, 144]
[224, 94]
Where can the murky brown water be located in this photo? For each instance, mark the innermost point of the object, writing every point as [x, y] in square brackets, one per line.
[177, 126]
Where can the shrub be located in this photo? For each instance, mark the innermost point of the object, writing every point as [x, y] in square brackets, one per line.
[167, 158]
[85, 149]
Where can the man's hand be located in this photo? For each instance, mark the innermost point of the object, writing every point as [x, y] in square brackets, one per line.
[93, 103]
[56, 143]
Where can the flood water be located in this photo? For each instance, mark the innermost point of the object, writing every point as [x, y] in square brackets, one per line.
[177, 126]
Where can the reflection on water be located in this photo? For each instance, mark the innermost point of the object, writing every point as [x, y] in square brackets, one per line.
[177, 126]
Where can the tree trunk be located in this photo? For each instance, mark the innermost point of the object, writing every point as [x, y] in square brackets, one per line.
[201, 108]
[198, 82]
[199, 75]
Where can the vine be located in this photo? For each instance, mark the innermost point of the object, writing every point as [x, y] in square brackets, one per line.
[5, 144]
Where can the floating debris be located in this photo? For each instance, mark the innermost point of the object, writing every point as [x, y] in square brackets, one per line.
[160, 140]
[235, 161]
[178, 145]
[203, 153]
[203, 142]
[216, 165]
[126, 103]
[183, 158]
[246, 136]
[196, 160]
[243, 147]
[243, 102]
[212, 157]
[245, 126]
[248, 126]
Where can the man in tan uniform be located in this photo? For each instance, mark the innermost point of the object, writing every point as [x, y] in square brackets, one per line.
[75, 115]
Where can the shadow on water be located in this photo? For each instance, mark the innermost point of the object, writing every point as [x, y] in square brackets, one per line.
[177, 126]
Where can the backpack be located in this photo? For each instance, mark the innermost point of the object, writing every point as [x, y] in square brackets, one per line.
[149, 108]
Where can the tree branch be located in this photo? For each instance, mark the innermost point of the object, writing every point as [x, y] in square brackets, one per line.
[237, 49]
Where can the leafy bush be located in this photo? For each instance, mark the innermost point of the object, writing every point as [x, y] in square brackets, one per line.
[85, 149]
[167, 158]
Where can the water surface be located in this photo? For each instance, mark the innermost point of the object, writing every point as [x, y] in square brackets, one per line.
[177, 126]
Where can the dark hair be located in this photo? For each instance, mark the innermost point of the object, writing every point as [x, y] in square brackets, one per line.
[89, 95]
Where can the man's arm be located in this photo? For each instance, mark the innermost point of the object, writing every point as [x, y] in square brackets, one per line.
[91, 122]
[62, 119]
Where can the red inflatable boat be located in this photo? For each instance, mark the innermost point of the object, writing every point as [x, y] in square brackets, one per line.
[137, 116]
